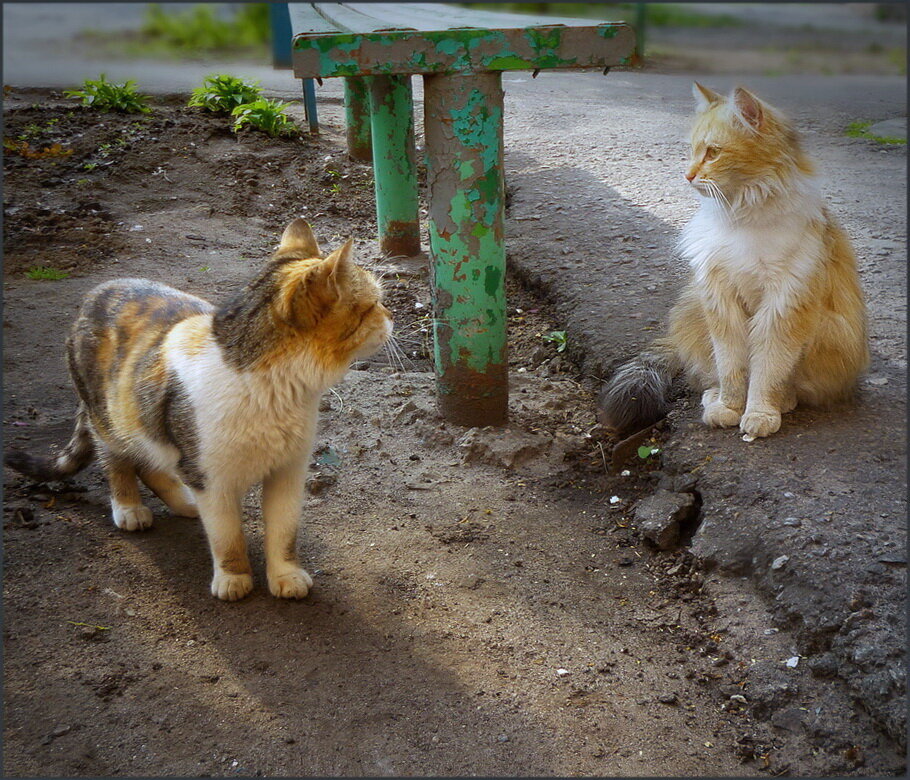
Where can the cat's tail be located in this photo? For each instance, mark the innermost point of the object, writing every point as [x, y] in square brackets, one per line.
[637, 394]
[75, 456]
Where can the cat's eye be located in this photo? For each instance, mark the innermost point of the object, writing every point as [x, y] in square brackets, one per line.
[711, 152]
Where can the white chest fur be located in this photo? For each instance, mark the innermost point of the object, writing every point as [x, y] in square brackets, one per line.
[767, 258]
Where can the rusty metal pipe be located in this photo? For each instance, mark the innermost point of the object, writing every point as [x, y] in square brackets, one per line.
[394, 164]
[357, 119]
[463, 117]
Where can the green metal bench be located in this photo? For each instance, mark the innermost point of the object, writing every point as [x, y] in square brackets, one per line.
[461, 54]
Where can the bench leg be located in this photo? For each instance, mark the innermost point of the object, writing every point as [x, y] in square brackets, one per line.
[463, 123]
[309, 104]
[357, 119]
[394, 164]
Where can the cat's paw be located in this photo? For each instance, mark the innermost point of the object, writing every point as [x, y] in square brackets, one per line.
[717, 414]
[231, 587]
[757, 423]
[294, 584]
[131, 518]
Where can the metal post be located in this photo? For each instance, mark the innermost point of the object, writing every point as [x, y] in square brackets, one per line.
[309, 104]
[394, 164]
[280, 22]
[463, 117]
[357, 119]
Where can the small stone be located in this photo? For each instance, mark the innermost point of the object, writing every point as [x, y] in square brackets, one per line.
[61, 730]
[319, 482]
[792, 522]
[502, 738]
[563, 672]
[668, 698]
[779, 563]
[659, 517]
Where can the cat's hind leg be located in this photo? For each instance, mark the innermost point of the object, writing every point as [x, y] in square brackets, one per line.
[171, 490]
[126, 503]
[282, 500]
[221, 512]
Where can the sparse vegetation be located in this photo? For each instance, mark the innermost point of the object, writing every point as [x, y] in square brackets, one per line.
[203, 29]
[861, 130]
[221, 93]
[45, 273]
[265, 115]
[559, 338]
[106, 96]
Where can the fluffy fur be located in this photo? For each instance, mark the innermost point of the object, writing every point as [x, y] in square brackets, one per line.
[201, 403]
[773, 314]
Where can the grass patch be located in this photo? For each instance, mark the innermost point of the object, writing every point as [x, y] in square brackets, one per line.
[107, 96]
[46, 274]
[861, 130]
[195, 32]
[222, 93]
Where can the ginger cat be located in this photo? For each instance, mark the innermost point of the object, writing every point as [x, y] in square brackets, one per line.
[203, 402]
[773, 314]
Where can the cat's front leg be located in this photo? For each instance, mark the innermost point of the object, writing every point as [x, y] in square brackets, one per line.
[723, 403]
[282, 500]
[221, 511]
[777, 342]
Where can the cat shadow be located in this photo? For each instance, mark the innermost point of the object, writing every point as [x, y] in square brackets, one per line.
[344, 668]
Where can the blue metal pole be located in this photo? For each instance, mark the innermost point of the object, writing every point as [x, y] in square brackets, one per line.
[309, 104]
[280, 21]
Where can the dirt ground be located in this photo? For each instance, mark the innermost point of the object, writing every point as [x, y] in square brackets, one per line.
[483, 604]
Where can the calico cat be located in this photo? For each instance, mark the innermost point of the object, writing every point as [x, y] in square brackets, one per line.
[773, 314]
[201, 402]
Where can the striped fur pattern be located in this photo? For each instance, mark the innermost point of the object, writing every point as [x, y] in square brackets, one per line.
[773, 314]
[202, 402]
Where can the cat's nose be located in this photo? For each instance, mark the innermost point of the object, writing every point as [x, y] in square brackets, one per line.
[690, 176]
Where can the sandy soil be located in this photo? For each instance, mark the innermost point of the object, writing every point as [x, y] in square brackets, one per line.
[481, 604]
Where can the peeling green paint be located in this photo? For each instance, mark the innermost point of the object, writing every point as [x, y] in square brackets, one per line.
[394, 164]
[466, 234]
[461, 50]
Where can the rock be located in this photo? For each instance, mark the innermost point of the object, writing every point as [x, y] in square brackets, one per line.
[319, 482]
[788, 719]
[668, 698]
[505, 448]
[779, 563]
[890, 128]
[659, 517]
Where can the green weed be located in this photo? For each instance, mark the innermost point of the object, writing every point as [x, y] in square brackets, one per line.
[861, 130]
[106, 96]
[647, 450]
[559, 338]
[222, 93]
[266, 115]
[44, 273]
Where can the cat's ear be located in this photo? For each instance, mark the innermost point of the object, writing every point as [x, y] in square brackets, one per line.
[340, 263]
[748, 108]
[704, 97]
[298, 237]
